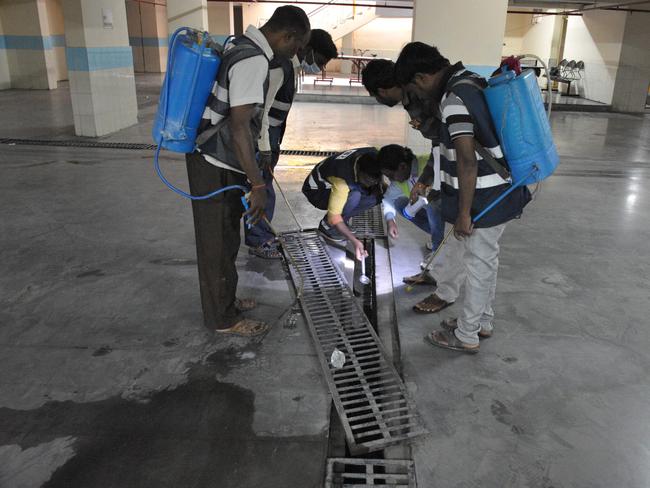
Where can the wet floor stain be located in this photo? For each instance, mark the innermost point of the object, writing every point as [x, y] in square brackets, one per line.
[92, 272]
[103, 351]
[196, 435]
[225, 360]
[89, 162]
[171, 342]
[510, 359]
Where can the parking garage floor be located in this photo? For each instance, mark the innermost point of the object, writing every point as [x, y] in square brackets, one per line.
[109, 379]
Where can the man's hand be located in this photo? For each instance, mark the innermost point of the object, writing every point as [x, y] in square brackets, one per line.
[257, 203]
[359, 250]
[415, 123]
[419, 189]
[463, 226]
[266, 160]
[393, 232]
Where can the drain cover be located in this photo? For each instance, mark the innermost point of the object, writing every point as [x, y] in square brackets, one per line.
[369, 224]
[367, 391]
[344, 472]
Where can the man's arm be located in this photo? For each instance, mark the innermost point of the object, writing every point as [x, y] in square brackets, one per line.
[240, 118]
[467, 173]
[388, 204]
[276, 78]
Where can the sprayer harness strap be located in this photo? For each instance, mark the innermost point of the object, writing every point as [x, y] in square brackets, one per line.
[497, 167]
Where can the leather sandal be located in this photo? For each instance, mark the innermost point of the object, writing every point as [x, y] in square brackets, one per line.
[431, 304]
[245, 304]
[448, 340]
[265, 251]
[452, 324]
[246, 328]
[420, 279]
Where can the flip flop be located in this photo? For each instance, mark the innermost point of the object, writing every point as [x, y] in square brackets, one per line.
[448, 340]
[265, 251]
[246, 328]
[431, 304]
[245, 304]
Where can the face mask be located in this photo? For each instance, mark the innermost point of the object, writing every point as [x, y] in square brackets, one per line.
[310, 69]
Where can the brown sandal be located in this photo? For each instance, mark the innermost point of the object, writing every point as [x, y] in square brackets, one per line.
[422, 278]
[448, 340]
[245, 304]
[246, 328]
[431, 304]
[452, 324]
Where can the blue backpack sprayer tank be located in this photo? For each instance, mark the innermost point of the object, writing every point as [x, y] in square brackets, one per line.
[524, 133]
[192, 66]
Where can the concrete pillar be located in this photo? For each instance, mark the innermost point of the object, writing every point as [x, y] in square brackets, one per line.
[470, 31]
[148, 37]
[187, 13]
[27, 46]
[220, 20]
[633, 74]
[5, 77]
[100, 66]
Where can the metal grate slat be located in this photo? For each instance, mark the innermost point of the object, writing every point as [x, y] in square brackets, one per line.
[369, 224]
[349, 472]
[368, 379]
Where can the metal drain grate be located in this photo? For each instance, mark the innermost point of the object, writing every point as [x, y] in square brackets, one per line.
[345, 472]
[368, 393]
[133, 146]
[78, 143]
[369, 224]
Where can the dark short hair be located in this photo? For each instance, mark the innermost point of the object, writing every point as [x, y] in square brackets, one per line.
[367, 164]
[417, 57]
[378, 73]
[289, 18]
[322, 43]
[392, 155]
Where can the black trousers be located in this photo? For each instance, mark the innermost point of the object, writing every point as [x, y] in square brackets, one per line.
[216, 227]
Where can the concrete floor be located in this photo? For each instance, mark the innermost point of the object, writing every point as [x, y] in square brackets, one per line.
[110, 381]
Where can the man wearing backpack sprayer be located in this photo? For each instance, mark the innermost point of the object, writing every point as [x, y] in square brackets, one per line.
[226, 156]
[471, 179]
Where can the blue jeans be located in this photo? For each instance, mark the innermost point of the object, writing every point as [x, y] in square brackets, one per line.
[429, 219]
[260, 233]
[357, 203]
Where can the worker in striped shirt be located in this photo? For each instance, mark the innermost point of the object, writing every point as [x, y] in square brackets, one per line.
[469, 182]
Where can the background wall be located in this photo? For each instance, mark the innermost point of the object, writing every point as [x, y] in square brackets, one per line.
[633, 74]
[220, 19]
[57, 36]
[597, 39]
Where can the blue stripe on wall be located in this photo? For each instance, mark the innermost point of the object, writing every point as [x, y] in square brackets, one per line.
[33, 43]
[98, 58]
[481, 69]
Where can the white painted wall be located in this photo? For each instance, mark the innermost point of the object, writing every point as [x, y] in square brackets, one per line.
[597, 39]
[467, 30]
[517, 25]
[633, 75]
[384, 37]
[187, 13]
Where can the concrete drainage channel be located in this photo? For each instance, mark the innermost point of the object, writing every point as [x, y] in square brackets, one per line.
[373, 416]
[133, 146]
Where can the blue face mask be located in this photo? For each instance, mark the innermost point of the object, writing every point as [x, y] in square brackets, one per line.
[310, 69]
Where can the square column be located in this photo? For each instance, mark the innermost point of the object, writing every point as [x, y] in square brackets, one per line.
[470, 31]
[148, 36]
[26, 59]
[100, 66]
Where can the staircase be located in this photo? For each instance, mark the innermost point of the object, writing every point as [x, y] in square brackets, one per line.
[341, 21]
